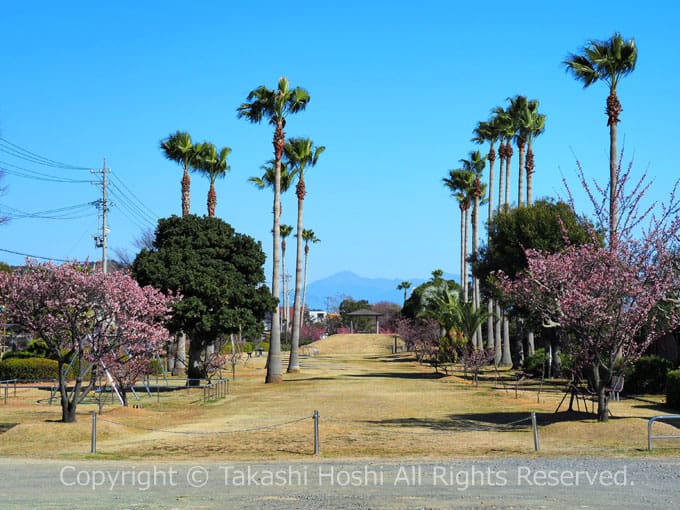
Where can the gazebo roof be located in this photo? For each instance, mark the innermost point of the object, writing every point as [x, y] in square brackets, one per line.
[365, 313]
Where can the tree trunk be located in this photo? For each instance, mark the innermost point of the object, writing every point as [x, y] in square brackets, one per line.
[294, 359]
[466, 284]
[463, 265]
[196, 369]
[285, 318]
[530, 350]
[530, 175]
[520, 173]
[304, 281]
[501, 174]
[490, 342]
[274, 369]
[180, 368]
[186, 193]
[518, 346]
[212, 200]
[508, 152]
[498, 344]
[613, 111]
[506, 358]
[475, 282]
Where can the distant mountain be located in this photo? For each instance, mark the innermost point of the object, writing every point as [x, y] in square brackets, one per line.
[347, 284]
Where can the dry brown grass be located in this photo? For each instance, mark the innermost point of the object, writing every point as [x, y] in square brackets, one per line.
[372, 404]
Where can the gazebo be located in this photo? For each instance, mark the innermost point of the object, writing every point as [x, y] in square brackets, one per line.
[365, 313]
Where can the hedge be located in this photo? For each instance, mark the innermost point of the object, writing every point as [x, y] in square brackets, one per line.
[648, 375]
[673, 389]
[29, 369]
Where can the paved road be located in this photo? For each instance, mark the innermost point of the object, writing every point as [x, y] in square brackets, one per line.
[486, 484]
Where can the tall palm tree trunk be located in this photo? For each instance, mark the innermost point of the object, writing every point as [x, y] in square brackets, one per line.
[508, 159]
[501, 174]
[530, 175]
[520, 173]
[294, 360]
[463, 272]
[274, 369]
[212, 200]
[489, 322]
[466, 284]
[285, 317]
[498, 344]
[304, 279]
[506, 358]
[613, 111]
[186, 192]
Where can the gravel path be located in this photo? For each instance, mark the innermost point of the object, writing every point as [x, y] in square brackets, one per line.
[487, 484]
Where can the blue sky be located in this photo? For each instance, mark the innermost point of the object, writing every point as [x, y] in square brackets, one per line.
[396, 90]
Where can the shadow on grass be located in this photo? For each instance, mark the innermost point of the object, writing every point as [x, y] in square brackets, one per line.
[494, 422]
[4, 427]
[401, 375]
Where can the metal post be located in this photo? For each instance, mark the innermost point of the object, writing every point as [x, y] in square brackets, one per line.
[537, 446]
[316, 431]
[93, 448]
[158, 390]
[6, 388]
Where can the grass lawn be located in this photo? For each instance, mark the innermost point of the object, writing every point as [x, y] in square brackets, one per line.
[372, 404]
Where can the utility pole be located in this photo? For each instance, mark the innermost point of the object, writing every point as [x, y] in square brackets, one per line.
[101, 238]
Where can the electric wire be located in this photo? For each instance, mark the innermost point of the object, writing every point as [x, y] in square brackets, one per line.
[22, 153]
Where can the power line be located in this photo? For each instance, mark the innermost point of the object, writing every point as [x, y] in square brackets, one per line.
[132, 206]
[152, 213]
[33, 174]
[62, 213]
[34, 256]
[22, 153]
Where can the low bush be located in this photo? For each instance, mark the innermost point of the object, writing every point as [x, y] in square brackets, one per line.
[29, 369]
[673, 389]
[19, 355]
[647, 375]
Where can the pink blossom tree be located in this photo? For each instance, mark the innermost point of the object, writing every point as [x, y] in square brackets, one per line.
[88, 320]
[613, 301]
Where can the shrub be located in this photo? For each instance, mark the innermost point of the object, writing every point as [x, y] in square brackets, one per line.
[535, 364]
[673, 389]
[245, 347]
[648, 375]
[18, 355]
[29, 369]
[38, 348]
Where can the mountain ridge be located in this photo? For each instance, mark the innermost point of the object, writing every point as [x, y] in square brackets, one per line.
[328, 292]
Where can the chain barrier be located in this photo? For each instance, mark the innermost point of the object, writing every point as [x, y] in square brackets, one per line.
[199, 433]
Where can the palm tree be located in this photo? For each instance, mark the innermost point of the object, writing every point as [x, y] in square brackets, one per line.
[607, 61]
[286, 230]
[476, 165]
[309, 237]
[179, 148]
[536, 128]
[519, 113]
[214, 165]
[506, 129]
[267, 179]
[489, 131]
[300, 154]
[405, 285]
[461, 185]
[275, 105]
